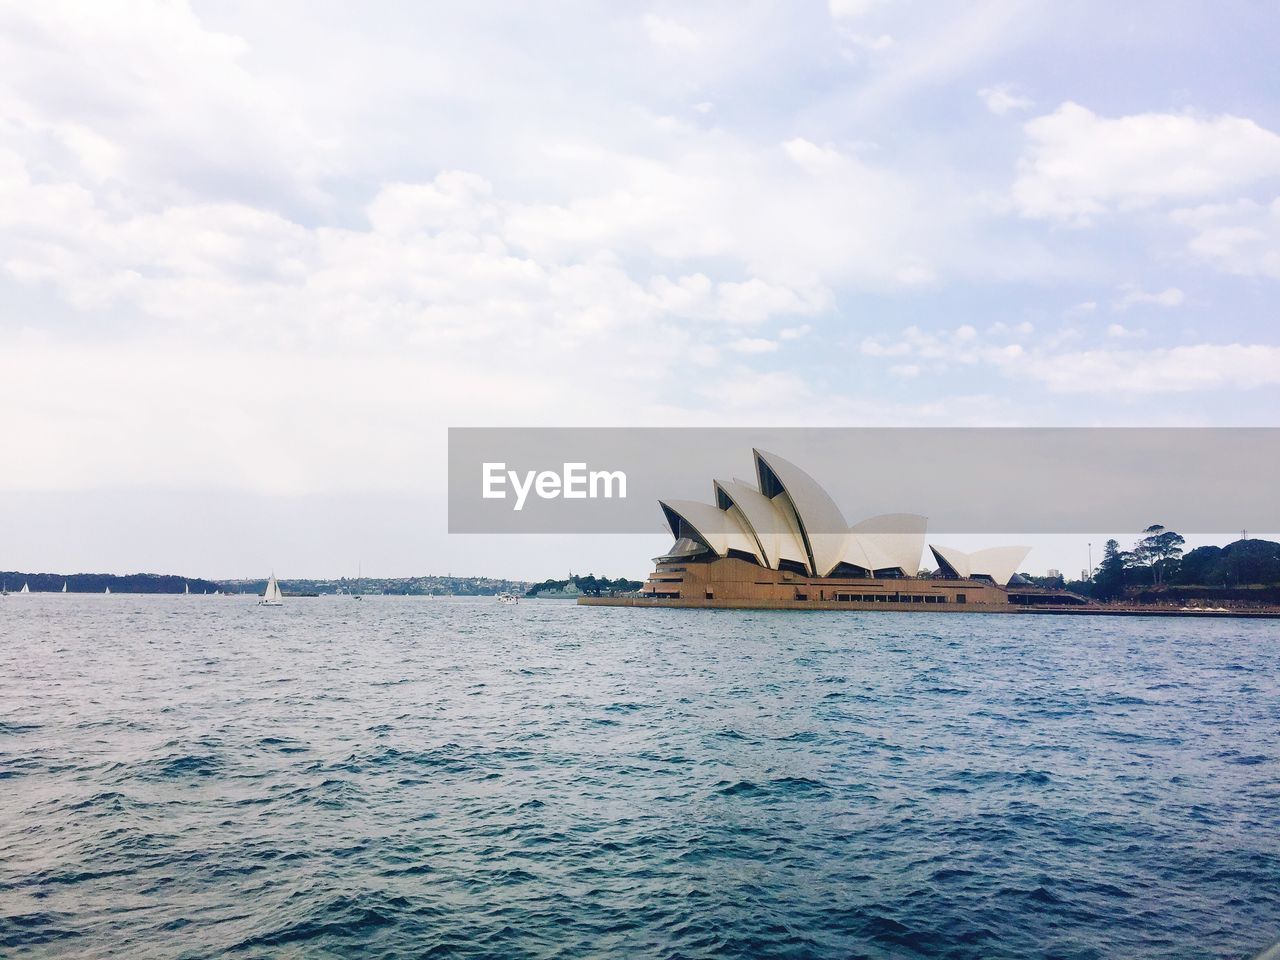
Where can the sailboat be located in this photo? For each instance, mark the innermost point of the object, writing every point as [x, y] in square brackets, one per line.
[64, 586]
[186, 588]
[272, 597]
[107, 590]
[25, 588]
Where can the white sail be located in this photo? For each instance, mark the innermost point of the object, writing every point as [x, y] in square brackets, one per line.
[186, 588]
[272, 595]
[64, 586]
[108, 590]
[25, 589]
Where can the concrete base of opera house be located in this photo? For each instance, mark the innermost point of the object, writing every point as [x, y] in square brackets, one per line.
[729, 583]
[735, 583]
[1088, 609]
[739, 604]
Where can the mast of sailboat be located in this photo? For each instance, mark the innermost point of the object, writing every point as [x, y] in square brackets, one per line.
[272, 595]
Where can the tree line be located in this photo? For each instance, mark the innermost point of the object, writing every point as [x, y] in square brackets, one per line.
[1156, 561]
[99, 582]
[591, 585]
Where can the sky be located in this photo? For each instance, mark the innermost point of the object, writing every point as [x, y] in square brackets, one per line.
[255, 259]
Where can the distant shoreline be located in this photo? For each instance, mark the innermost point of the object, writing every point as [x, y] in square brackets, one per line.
[156, 583]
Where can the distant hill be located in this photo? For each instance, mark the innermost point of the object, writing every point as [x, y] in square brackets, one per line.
[1243, 572]
[172, 583]
[590, 585]
[434, 586]
[1238, 563]
[98, 582]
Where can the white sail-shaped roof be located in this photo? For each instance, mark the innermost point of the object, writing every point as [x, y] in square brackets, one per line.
[777, 536]
[998, 563]
[823, 528]
[891, 540]
[790, 519]
[856, 553]
[720, 530]
[954, 563]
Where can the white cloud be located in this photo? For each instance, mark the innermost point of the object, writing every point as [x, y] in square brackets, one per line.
[814, 159]
[144, 94]
[1078, 165]
[852, 9]
[669, 34]
[1101, 370]
[815, 212]
[1185, 369]
[1241, 238]
[1003, 98]
[453, 200]
[881, 347]
[368, 233]
[1025, 328]
[871, 43]
[753, 345]
[960, 345]
[847, 17]
[1168, 297]
[747, 303]
[942, 46]
[913, 274]
[432, 300]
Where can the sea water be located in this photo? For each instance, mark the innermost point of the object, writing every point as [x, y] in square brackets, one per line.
[413, 777]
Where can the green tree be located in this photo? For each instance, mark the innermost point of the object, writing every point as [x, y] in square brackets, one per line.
[1158, 550]
[1198, 566]
[1109, 581]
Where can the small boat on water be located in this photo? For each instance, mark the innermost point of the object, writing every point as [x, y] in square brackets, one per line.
[186, 588]
[26, 588]
[64, 586]
[272, 597]
[508, 598]
[107, 590]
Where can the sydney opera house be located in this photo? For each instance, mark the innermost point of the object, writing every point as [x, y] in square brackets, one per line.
[783, 542]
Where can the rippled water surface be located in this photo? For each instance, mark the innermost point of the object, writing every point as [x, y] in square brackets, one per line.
[200, 777]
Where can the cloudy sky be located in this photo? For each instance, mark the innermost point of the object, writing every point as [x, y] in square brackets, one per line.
[256, 258]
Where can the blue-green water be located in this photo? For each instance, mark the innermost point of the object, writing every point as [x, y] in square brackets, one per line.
[200, 777]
